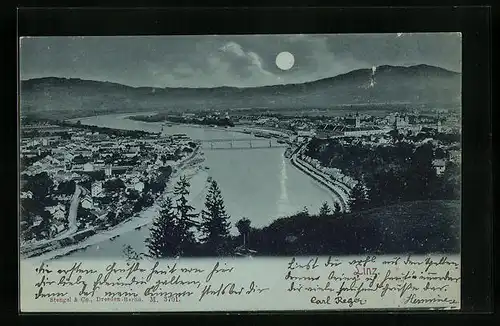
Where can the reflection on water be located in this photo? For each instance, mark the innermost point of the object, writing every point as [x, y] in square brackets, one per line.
[283, 202]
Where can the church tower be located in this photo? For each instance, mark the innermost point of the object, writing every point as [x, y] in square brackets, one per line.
[358, 122]
[439, 127]
[108, 170]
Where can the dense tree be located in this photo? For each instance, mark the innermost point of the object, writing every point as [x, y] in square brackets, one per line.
[66, 187]
[40, 185]
[358, 200]
[400, 172]
[123, 215]
[113, 185]
[80, 159]
[147, 199]
[84, 216]
[421, 175]
[96, 175]
[112, 217]
[143, 201]
[168, 237]
[132, 194]
[243, 226]
[163, 158]
[155, 186]
[165, 172]
[215, 222]
[137, 207]
[43, 230]
[337, 210]
[396, 136]
[324, 210]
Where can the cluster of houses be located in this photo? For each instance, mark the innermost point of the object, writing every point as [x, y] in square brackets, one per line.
[369, 130]
[58, 213]
[371, 135]
[92, 158]
[356, 125]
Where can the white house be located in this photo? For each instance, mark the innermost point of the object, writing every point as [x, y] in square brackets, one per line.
[88, 167]
[99, 214]
[63, 197]
[97, 190]
[306, 133]
[68, 157]
[139, 186]
[439, 165]
[58, 212]
[134, 180]
[87, 202]
[27, 194]
[37, 220]
[44, 163]
[57, 228]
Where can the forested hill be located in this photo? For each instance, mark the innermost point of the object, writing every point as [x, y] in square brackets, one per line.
[420, 84]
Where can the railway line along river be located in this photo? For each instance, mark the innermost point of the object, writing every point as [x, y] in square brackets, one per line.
[259, 183]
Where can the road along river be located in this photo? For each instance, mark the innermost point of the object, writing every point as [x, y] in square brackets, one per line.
[259, 183]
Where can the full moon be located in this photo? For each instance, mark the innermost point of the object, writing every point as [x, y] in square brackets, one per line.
[285, 60]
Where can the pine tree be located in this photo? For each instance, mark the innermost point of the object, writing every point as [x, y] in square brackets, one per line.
[215, 224]
[43, 230]
[324, 210]
[130, 253]
[358, 200]
[337, 210]
[167, 234]
[186, 219]
[244, 228]
[183, 208]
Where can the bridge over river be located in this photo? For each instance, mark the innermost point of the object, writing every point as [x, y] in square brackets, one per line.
[241, 143]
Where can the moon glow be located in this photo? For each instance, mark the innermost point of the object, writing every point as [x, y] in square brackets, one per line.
[285, 60]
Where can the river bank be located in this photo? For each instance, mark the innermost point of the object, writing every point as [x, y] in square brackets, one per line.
[340, 195]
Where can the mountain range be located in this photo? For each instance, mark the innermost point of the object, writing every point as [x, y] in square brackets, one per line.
[419, 85]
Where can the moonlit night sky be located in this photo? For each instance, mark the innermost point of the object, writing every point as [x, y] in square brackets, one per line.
[229, 60]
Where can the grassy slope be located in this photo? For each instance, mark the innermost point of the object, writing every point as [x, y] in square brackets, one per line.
[412, 227]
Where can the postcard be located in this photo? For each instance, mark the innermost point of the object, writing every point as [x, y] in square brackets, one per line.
[240, 172]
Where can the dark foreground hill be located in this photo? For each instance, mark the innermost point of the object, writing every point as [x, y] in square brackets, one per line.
[420, 85]
[420, 227]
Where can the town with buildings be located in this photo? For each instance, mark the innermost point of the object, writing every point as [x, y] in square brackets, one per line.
[76, 178]
[374, 130]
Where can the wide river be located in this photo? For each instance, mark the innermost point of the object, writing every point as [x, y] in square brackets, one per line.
[260, 184]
